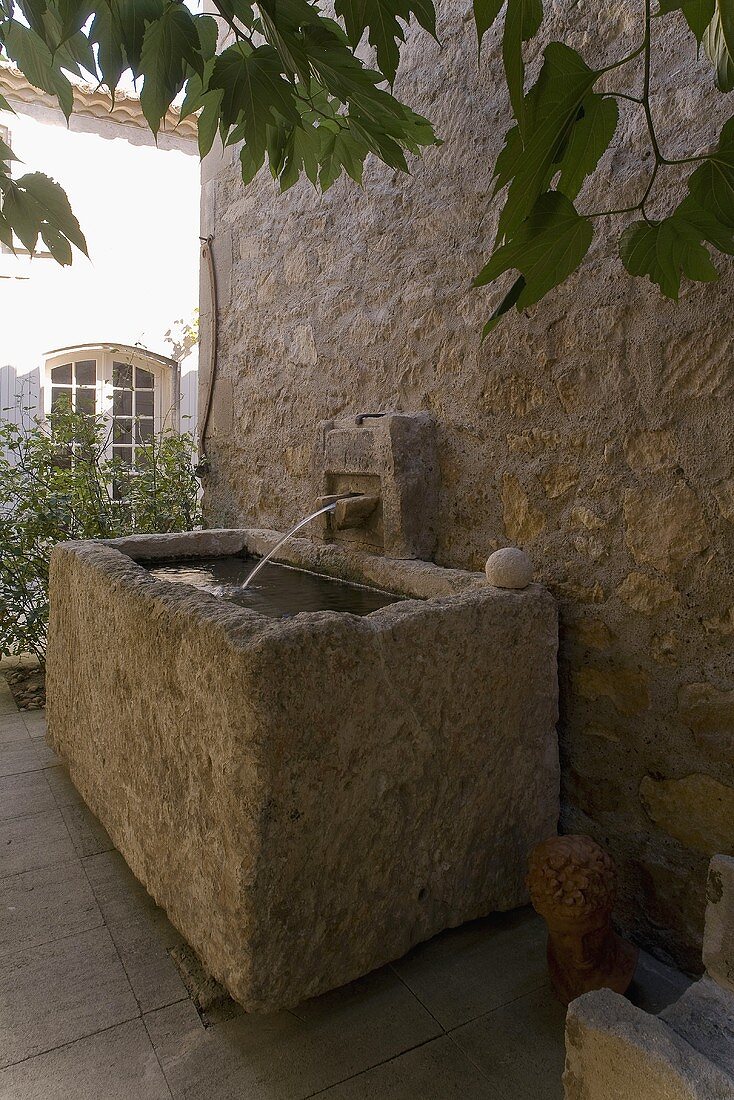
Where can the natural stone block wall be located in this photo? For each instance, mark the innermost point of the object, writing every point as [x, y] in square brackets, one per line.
[309, 797]
[595, 432]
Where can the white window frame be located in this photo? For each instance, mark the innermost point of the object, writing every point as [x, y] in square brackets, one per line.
[165, 373]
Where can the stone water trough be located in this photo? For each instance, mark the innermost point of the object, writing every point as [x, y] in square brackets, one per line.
[307, 798]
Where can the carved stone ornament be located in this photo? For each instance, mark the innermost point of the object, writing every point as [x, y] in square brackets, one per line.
[572, 884]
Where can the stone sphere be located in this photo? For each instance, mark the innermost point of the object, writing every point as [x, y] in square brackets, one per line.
[509, 568]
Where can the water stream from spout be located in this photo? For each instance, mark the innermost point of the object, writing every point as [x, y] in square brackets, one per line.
[282, 542]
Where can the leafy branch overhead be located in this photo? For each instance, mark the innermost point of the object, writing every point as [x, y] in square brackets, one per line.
[565, 122]
[284, 82]
[277, 76]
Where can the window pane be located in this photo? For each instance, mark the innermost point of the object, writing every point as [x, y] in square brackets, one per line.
[61, 376]
[85, 401]
[144, 403]
[143, 431]
[124, 454]
[122, 431]
[60, 397]
[122, 403]
[143, 379]
[122, 375]
[86, 372]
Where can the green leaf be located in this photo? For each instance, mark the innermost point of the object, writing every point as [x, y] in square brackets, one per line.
[105, 34]
[712, 184]
[485, 13]
[55, 205]
[5, 106]
[380, 19]
[57, 244]
[522, 22]
[33, 57]
[22, 216]
[341, 151]
[552, 108]
[698, 13]
[707, 226]
[208, 120]
[170, 45]
[665, 251]
[129, 20]
[718, 42]
[251, 163]
[546, 248]
[590, 138]
[254, 92]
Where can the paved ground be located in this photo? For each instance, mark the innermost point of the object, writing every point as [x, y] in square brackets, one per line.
[92, 1006]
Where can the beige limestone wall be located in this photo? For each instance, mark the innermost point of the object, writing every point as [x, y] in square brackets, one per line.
[596, 431]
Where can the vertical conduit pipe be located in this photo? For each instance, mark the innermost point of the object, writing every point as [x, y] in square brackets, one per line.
[208, 258]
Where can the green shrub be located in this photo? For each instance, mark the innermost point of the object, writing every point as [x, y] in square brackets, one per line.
[57, 482]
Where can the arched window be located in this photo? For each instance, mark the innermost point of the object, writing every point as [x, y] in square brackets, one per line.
[135, 389]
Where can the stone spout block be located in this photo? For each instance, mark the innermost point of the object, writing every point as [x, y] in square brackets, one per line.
[353, 511]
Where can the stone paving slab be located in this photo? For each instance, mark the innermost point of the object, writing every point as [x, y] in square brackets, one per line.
[117, 1064]
[12, 728]
[119, 895]
[435, 1071]
[518, 1060]
[143, 947]
[20, 756]
[37, 840]
[21, 795]
[88, 836]
[53, 994]
[45, 905]
[281, 1057]
[471, 970]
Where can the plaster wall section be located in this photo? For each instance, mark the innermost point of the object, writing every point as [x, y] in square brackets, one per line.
[595, 432]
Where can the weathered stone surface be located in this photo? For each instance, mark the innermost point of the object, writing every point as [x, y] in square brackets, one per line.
[718, 938]
[647, 594]
[307, 798]
[697, 810]
[523, 522]
[615, 1051]
[650, 450]
[626, 687]
[595, 375]
[709, 714]
[664, 529]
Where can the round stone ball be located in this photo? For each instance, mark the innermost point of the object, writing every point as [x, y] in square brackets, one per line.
[509, 568]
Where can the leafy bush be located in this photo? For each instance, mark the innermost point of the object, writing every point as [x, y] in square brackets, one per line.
[57, 483]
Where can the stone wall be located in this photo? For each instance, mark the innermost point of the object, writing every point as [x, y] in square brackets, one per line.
[596, 431]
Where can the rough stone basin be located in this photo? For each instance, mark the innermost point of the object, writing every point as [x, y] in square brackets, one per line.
[308, 797]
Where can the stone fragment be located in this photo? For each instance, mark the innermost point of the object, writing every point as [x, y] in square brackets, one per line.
[697, 810]
[709, 714]
[647, 594]
[616, 1051]
[718, 937]
[664, 648]
[720, 624]
[582, 593]
[627, 688]
[509, 567]
[593, 633]
[523, 522]
[650, 450]
[664, 530]
[724, 494]
[558, 479]
[584, 517]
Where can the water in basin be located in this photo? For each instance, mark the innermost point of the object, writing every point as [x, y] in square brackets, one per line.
[279, 591]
